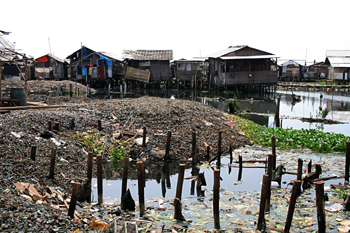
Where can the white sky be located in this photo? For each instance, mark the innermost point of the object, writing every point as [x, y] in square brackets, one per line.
[188, 27]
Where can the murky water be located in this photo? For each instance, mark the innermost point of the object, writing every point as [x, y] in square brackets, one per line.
[333, 106]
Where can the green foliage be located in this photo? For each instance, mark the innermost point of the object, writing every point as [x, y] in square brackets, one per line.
[119, 152]
[292, 138]
[342, 192]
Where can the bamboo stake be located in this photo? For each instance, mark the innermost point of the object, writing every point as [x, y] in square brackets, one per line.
[273, 144]
[293, 198]
[263, 194]
[194, 152]
[216, 198]
[73, 200]
[269, 173]
[180, 180]
[141, 187]
[144, 136]
[89, 172]
[218, 163]
[321, 216]
[125, 180]
[32, 153]
[347, 162]
[52, 164]
[99, 179]
[167, 146]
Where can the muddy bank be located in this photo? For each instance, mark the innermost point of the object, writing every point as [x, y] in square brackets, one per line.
[120, 120]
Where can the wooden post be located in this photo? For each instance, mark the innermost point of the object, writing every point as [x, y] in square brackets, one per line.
[293, 199]
[309, 166]
[321, 216]
[89, 172]
[273, 144]
[218, 163]
[50, 125]
[194, 151]
[269, 173]
[144, 136]
[32, 153]
[300, 169]
[141, 187]
[208, 152]
[167, 146]
[99, 179]
[70, 90]
[230, 152]
[52, 164]
[216, 197]
[99, 125]
[125, 180]
[57, 126]
[180, 181]
[0, 79]
[240, 162]
[347, 162]
[73, 199]
[277, 114]
[263, 194]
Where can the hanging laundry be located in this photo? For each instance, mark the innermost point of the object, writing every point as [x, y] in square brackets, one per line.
[84, 71]
[109, 72]
[94, 72]
[100, 71]
[90, 71]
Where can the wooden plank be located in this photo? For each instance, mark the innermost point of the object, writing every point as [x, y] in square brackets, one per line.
[339, 186]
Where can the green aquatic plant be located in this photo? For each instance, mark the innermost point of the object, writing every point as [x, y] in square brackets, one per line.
[291, 138]
[233, 105]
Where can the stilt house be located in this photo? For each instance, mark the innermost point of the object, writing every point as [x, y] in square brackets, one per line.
[242, 66]
[338, 62]
[50, 67]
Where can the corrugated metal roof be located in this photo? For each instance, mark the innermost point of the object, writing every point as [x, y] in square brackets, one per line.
[148, 54]
[285, 63]
[226, 51]
[338, 53]
[339, 61]
[111, 55]
[249, 57]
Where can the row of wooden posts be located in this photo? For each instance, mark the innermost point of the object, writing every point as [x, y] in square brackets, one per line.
[265, 190]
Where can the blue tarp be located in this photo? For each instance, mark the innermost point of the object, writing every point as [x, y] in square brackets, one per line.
[108, 61]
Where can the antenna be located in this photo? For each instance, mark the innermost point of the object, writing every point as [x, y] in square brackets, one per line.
[305, 56]
[49, 46]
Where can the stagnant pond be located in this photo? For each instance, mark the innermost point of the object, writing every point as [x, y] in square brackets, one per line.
[243, 189]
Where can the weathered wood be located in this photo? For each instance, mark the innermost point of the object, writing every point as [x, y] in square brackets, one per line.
[141, 187]
[208, 152]
[52, 163]
[274, 228]
[347, 162]
[246, 166]
[277, 114]
[273, 144]
[144, 136]
[321, 216]
[251, 161]
[180, 181]
[269, 173]
[125, 180]
[218, 163]
[50, 125]
[99, 179]
[194, 147]
[328, 178]
[99, 125]
[33, 153]
[167, 146]
[309, 166]
[178, 210]
[263, 194]
[216, 198]
[230, 152]
[294, 196]
[56, 126]
[73, 200]
[89, 172]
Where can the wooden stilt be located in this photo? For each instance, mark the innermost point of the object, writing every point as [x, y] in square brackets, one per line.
[180, 180]
[125, 180]
[293, 198]
[216, 197]
[89, 172]
[321, 216]
[99, 179]
[141, 187]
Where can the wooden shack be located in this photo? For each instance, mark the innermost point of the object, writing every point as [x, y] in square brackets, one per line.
[338, 62]
[242, 66]
[50, 67]
[148, 65]
[290, 70]
[190, 72]
[95, 68]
